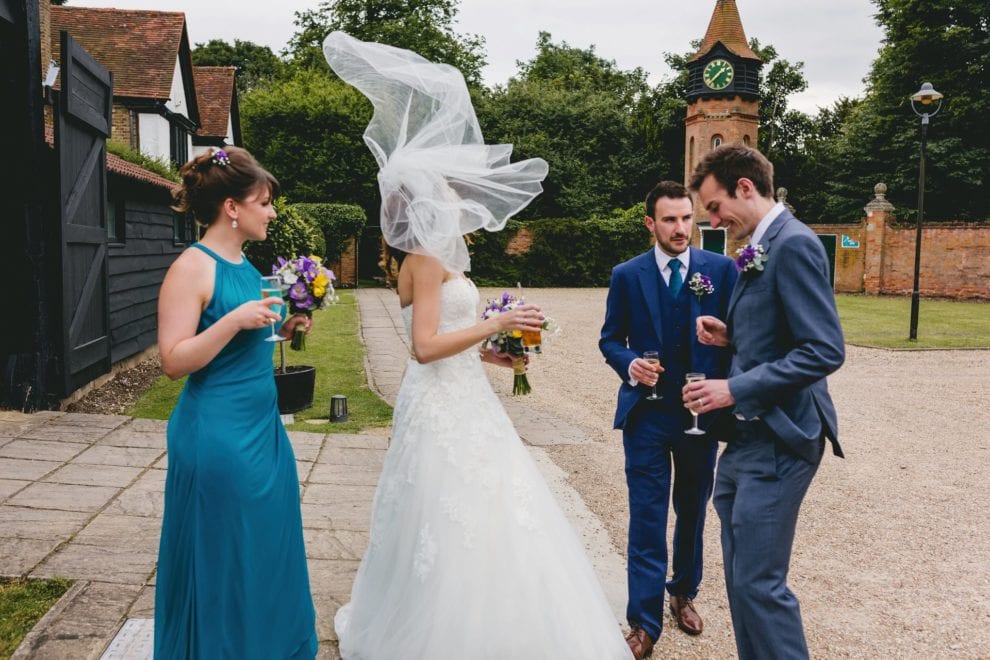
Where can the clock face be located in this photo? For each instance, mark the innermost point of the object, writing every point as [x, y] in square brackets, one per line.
[717, 74]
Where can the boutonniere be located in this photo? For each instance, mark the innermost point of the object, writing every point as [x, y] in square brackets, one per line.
[701, 285]
[751, 257]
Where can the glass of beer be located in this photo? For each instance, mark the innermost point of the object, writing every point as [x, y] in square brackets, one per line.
[653, 359]
[272, 286]
[694, 430]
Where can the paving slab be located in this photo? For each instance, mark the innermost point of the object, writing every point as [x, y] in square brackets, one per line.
[94, 475]
[48, 450]
[128, 437]
[46, 524]
[10, 486]
[136, 534]
[64, 497]
[19, 556]
[126, 456]
[112, 564]
[134, 502]
[58, 432]
[15, 468]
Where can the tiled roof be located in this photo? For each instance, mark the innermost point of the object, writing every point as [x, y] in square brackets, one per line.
[214, 93]
[118, 165]
[726, 26]
[139, 47]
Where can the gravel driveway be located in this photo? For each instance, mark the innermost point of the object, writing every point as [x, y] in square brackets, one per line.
[892, 556]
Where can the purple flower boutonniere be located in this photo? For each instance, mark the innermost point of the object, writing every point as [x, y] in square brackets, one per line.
[701, 285]
[751, 257]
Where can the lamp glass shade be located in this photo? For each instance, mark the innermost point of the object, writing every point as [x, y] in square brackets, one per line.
[926, 95]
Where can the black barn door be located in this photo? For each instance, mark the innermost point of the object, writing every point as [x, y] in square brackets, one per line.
[83, 124]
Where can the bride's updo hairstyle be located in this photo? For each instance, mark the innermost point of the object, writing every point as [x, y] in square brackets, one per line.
[213, 176]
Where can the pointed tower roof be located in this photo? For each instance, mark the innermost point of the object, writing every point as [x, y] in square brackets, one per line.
[726, 27]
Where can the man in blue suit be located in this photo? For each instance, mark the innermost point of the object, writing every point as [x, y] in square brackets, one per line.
[653, 303]
[784, 334]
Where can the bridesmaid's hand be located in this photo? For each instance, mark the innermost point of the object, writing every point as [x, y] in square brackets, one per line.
[256, 313]
[296, 321]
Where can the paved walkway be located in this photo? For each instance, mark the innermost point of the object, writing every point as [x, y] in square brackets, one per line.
[81, 496]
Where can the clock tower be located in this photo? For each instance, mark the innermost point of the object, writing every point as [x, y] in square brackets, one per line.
[723, 89]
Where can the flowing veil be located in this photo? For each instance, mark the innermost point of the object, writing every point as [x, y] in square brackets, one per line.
[438, 179]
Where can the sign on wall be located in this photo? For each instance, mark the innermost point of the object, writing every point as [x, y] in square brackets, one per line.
[848, 242]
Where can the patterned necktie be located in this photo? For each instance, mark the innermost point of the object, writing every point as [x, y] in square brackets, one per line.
[675, 277]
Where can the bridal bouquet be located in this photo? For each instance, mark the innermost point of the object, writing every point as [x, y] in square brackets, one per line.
[309, 287]
[516, 343]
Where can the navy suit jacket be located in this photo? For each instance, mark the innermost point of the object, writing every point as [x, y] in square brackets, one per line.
[633, 324]
[785, 337]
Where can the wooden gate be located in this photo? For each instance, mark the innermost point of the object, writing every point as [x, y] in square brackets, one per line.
[81, 128]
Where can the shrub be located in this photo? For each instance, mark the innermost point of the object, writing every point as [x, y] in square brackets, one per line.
[336, 222]
[289, 235]
[564, 252]
[160, 167]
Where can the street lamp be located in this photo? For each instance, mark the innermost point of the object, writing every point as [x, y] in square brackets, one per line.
[925, 96]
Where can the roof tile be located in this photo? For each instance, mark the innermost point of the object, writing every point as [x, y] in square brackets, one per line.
[214, 92]
[726, 27]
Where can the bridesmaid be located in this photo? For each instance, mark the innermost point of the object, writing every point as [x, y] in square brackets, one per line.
[232, 580]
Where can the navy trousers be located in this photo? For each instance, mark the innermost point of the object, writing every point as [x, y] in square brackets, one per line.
[758, 494]
[653, 445]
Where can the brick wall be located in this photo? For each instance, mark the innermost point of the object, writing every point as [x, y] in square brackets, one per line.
[735, 120]
[955, 260]
[45, 19]
[346, 267]
[121, 126]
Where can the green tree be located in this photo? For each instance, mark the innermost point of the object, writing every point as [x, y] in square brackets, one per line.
[577, 111]
[423, 26]
[307, 130]
[255, 64]
[947, 43]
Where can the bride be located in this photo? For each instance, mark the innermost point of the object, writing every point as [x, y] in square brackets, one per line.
[470, 556]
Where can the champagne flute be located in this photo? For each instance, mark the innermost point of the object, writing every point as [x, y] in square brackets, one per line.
[272, 286]
[653, 359]
[694, 378]
[531, 339]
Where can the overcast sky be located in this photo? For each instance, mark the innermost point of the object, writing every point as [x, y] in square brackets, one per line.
[836, 39]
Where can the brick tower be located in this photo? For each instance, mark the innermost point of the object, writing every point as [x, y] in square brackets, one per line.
[723, 89]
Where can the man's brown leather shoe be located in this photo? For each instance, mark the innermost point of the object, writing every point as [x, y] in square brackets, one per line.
[687, 617]
[639, 643]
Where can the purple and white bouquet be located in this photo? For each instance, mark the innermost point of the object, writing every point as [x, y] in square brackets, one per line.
[309, 287]
[516, 343]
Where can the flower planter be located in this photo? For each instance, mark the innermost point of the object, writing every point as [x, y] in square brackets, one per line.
[295, 387]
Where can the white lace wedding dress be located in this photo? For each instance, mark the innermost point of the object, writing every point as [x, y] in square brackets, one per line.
[470, 555]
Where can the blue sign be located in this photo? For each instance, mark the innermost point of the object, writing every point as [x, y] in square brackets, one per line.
[847, 242]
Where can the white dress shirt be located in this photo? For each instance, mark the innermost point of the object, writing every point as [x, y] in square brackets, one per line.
[666, 263]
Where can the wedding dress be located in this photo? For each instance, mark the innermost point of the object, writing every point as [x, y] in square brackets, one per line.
[470, 556]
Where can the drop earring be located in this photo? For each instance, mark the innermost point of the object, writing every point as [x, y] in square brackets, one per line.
[233, 223]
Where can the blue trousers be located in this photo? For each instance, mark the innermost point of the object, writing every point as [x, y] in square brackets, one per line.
[758, 494]
[653, 445]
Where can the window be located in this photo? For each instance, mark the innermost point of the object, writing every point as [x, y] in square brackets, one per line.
[691, 155]
[746, 140]
[716, 142]
[179, 139]
[183, 229]
[116, 220]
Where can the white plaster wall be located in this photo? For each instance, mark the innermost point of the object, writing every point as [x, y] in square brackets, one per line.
[154, 136]
[177, 101]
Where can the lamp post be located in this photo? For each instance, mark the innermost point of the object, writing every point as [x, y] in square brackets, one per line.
[925, 96]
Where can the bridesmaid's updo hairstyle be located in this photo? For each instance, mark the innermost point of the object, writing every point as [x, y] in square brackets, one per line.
[218, 174]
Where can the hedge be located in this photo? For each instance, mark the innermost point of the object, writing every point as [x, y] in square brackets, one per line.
[565, 251]
[289, 235]
[337, 222]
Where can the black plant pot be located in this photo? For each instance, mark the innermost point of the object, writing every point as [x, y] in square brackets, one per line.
[295, 388]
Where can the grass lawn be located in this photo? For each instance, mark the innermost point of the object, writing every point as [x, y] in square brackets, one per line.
[22, 604]
[335, 349]
[884, 322]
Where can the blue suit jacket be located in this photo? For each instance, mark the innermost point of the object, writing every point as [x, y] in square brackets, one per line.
[786, 338]
[633, 324]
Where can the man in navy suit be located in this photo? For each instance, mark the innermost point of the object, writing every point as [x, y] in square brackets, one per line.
[784, 334]
[653, 306]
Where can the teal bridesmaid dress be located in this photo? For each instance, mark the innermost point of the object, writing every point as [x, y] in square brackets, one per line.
[232, 580]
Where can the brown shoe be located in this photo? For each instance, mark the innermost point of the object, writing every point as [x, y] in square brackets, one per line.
[687, 617]
[639, 643]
